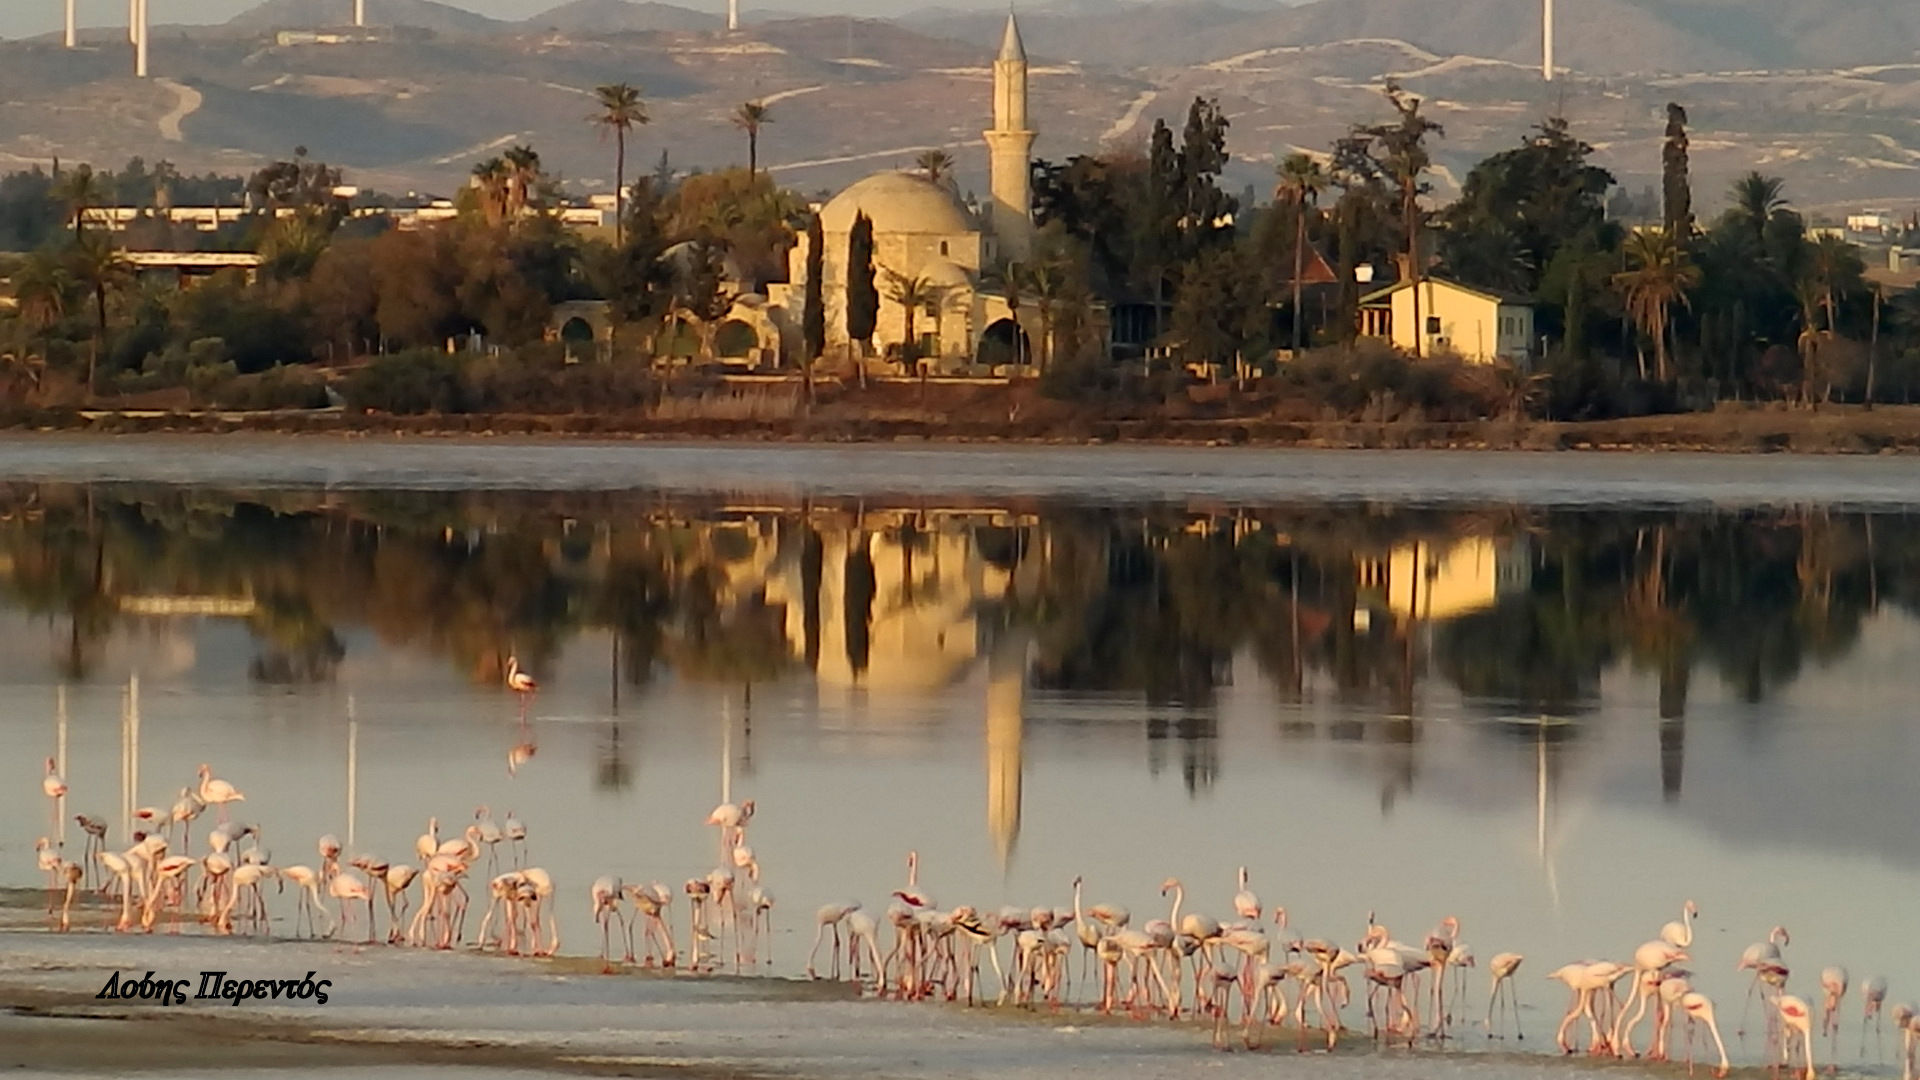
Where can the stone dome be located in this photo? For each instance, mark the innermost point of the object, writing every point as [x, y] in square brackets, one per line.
[899, 204]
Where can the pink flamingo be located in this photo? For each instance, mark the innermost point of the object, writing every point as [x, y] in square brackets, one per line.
[1501, 969]
[1756, 954]
[522, 684]
[1796, 1021]
[1699, 1008]
[606, 893]
[55, 788]
[215, 792]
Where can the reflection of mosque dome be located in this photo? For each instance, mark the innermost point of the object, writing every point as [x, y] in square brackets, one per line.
[899, 203]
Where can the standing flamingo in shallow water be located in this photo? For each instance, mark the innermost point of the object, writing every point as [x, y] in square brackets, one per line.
[55, 789]
[1501, 969]
[1833, 985]
[1679, 933]
[1796, 1024]
[1752, 959]
[522, 684]
[1873, 996]
[215, 792]
[1699, 1008]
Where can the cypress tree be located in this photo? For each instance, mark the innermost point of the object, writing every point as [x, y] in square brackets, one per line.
[863, 297]
[1675, 185]
[813, 321]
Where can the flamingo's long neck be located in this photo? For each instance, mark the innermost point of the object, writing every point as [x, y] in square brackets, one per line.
[1179, 894]
[1078, 920]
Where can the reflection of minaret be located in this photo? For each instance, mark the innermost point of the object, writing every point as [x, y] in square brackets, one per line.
[1673, 726]
[1006, 728]
[1010, 147]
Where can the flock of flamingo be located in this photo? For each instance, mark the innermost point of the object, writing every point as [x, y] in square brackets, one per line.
[1186, 964]
[1193, 964]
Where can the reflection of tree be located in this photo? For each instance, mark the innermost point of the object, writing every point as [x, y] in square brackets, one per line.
[1149, 602]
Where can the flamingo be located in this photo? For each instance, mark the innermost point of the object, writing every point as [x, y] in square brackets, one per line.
[96, 830]
[1501, 969]
[47, 858]
[490, 834]
[1796, 1021]
[1441, 946]
[606, 892]
[651, 902]
[1833, 982]
[215, 792]
[349, 887]
[913, 896]
[1679, 933]
[185, 809]
[428, 845]
[308, 884]
[376, 870]
[1755, 955]
[73, 874]
[1245, 903]
[863, 929]
[1904, 1019]
[398, 877]
[1873, 995]
[1649, 959]
[522, 684]
[1699, 1008]
[516, 833]
[829, 917]
[542, 887]
[56, 790]
[1585, 980]
[329, 857]
[1670, 986]
[122, 871]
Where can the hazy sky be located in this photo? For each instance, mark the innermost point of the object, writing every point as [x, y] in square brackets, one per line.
[19, 18]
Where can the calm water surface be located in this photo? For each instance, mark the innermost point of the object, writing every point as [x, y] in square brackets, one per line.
[1554, 696]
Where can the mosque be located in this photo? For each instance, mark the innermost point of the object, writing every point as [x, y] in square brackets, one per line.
[922, 229]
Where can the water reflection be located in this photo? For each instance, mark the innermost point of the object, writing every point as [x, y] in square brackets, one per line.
[1459, 697]
[1521, 613]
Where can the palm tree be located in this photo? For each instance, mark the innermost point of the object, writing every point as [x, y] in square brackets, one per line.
[749, 117]
[936, 164]
[44, 288]
[621, 110]
[100, 270]
[1755, 198]
[80, 189]
[523, 179]
[1046, 278]
[1836, 265]
[1661, 276]
[911, 292]
[490, 180]
[1301, 182]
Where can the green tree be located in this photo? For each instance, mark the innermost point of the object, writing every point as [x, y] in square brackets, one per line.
[863, 298]
[1660, 277]
[492, 182]
[813, 321]
[1519, 207]
[936, 165]
[912, 292]
[44, 287]
[1675, 186]
[1397, 152]
[81, 190]
[620, 111]
[525, 179]
[1302, 181]
[1755, 199]
[750, 117]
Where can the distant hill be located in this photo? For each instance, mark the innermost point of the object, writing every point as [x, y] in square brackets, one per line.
[1607, 37]
[621, 17]
[426, 14]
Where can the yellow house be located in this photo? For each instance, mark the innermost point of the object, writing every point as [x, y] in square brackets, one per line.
[1430, 580]
[1476, 325]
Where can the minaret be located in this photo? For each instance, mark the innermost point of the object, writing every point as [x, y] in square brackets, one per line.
[1009, 147]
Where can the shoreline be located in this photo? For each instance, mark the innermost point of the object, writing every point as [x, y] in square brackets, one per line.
[1830, 430]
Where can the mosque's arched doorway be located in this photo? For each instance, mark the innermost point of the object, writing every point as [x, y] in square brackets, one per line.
[735, 338]
[1004, 342]
[576, 331]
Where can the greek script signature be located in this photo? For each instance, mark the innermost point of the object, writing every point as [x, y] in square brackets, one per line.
[214, 986]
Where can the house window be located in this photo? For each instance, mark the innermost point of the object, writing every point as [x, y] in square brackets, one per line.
[1433, 326]
[943, 247]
